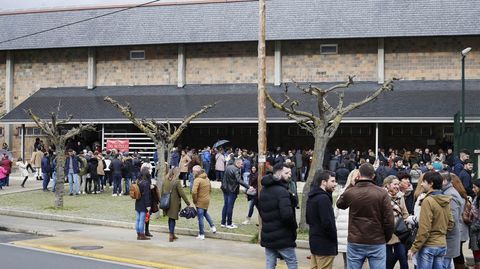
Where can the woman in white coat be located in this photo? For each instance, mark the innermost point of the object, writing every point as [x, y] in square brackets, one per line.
[341, 218]
[23, 170]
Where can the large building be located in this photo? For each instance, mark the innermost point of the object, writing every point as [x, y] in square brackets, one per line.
[169, 59]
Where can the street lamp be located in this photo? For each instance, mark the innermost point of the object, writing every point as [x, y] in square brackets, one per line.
[464, 54]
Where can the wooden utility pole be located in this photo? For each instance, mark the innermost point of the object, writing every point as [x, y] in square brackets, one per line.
[262, 111]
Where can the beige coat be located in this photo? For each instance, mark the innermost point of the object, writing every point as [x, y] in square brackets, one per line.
[184, 161]
[36, 159]
[201, 191]
[100, 167]
[399, 212]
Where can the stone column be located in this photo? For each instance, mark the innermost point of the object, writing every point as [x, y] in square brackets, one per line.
[9, 95]
[278, 63]
[381, 60]
[92, 69]
[181, 66]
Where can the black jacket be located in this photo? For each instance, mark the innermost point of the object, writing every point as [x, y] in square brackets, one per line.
[279, 229]
[342, 175]
[146, 198]
[232, 179]
[321, 219]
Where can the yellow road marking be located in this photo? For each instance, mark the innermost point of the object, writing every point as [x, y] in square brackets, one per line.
[100, 256]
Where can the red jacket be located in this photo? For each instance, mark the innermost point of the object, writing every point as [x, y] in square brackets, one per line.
[7, 164]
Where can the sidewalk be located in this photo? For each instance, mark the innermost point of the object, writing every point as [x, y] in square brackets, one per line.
[120, 245]
[16, 181]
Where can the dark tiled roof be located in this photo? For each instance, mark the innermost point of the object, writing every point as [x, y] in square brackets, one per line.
[238, 21]
[411, 101]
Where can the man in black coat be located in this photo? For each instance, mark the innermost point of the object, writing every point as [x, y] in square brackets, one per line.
[321, 219]
[277, 209]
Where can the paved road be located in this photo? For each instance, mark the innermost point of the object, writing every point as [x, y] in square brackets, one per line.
[13, 257]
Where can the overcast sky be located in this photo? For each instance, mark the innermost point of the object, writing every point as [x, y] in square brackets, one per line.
[9, 5]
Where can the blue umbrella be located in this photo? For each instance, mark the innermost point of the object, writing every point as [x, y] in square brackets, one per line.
[220, 142]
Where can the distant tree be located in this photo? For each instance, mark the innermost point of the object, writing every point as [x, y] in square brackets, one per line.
[58, 134]
[324, 124]
[163, 135]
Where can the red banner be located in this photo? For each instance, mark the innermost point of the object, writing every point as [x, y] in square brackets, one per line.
[122, 145]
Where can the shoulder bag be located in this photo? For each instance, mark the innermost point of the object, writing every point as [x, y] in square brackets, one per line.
[165, 199]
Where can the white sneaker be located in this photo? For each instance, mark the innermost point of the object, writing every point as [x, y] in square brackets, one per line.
[233, 226]
[114, 194]
[247, 221]
[223, 226]
[213, 229]
[120, 194]
[201, 237]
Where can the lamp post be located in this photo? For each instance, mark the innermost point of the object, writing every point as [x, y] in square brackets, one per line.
[464, 54]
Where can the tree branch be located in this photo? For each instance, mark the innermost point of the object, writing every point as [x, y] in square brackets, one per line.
[187, 120]
[290, 110]
[39, 122]
[341, 86]
[387, 86]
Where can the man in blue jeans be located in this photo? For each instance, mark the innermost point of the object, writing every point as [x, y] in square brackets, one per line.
[371, 220]
[232, 179]
[72, 168]
[436, 220]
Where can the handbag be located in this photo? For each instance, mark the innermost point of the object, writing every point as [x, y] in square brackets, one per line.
[165, 199]
[401, 229]
[467, 215]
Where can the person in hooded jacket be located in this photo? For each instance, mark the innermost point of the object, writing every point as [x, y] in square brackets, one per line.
[435, 221]
[321, 219]
[276, 206]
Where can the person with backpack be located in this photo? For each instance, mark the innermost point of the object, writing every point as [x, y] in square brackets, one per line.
[143, 203]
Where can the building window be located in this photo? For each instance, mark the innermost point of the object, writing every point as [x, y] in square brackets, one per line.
[137, 55]
[411, 131]
[329, 49]
[1, 131]
[33, 131]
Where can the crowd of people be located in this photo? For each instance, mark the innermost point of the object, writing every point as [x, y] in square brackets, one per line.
[433, 194]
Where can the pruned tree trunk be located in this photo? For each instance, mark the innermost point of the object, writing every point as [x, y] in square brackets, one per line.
[317, 161]
[60, 171]
[54, 132]
[163, 135]
[160, 165]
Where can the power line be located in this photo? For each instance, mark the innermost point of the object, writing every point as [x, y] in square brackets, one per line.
[77, 22]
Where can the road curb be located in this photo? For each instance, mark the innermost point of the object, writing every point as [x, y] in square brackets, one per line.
[24, 231]
[125, 225]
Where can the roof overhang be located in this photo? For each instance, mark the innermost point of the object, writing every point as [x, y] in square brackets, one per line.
[410, 102]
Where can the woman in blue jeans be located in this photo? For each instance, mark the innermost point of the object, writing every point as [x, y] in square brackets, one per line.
[201, 199]
[142, 205]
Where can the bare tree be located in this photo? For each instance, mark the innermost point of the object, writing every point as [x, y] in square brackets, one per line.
[54, 131]
[324, 125]
[163, 135]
